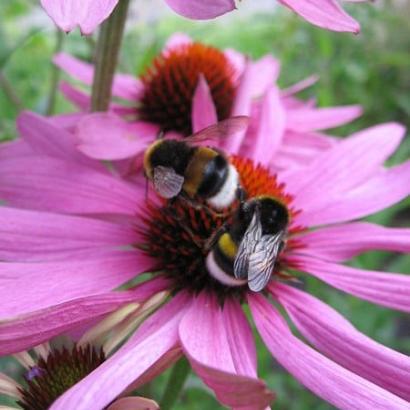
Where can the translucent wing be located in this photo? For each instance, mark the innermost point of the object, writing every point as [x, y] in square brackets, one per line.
[220, 130]
[247, 246]
[262, 261]
[167, 182]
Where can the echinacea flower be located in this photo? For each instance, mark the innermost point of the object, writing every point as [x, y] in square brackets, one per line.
[190, 86]
[49, 372]
[88, 14]
[85, 231]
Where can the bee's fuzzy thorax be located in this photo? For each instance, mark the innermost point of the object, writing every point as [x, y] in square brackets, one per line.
[171, 81]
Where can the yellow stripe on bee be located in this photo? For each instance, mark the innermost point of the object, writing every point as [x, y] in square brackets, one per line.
[227, 246]
[147, 158]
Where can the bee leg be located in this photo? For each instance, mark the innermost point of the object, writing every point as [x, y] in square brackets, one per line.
[241, 194]
[210, 242]
[180, 219]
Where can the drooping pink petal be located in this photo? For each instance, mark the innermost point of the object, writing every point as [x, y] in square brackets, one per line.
[323, 13]
[77, 97]
[347, 164]
[313, 119]
[39, 236]
[176, 40]
[47, 139]
[219, 345]
[134, 403]
[384, 288]
[237, 60]
[300, 149]
[200, 10]
[203, 107]
[27, 287]
[334, 336]
[300, 86]
[87, 14]
[25, 332]
[82, 100]
[16, 148]
[60, 186]
[124, 85]
[265, 72]
[242, 106]
[343, 242]
[333, 383]
[270, 128]
[68, 121]
[156, 337]
[359, 202]
[108, 137]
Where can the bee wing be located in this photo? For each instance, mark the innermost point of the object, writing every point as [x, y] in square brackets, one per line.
[167, 182]
[222, 129]
[247, 246]
[262, 261]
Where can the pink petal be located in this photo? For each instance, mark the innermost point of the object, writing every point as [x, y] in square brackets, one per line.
[327, 330]
[134, 403]
[265, 72]
[300, 86]
[362, 201]
[176, 40]
[66, 121]
[310, 119]
[242, 106]
[347, 164]
[384, 288]
[323, 13]
[17, 148]
[331, 382]
[343, 242]
[27, 287]
[124, 85]
[36, 236]
[45, 138]
[219, 344]
[270, 128]
[237, 60]
[156, 338]
[300, 149]
[106, 136]
[200, 10]
[27, 331]
[87, 14]
[78, 98]
[203, 107]
[60, 186]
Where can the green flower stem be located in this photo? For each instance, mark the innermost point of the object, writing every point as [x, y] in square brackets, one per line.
[55, 75]
[108, 47]
[175, 384]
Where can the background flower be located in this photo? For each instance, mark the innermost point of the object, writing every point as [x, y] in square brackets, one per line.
[291, 127]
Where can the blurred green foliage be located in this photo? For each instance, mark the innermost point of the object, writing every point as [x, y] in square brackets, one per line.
[371, 69]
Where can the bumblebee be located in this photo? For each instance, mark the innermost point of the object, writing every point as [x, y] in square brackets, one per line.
[246, 251]
[178, 168]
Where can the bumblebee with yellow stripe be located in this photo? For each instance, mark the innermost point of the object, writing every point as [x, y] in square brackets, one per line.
[246, 251]
[178, 168]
